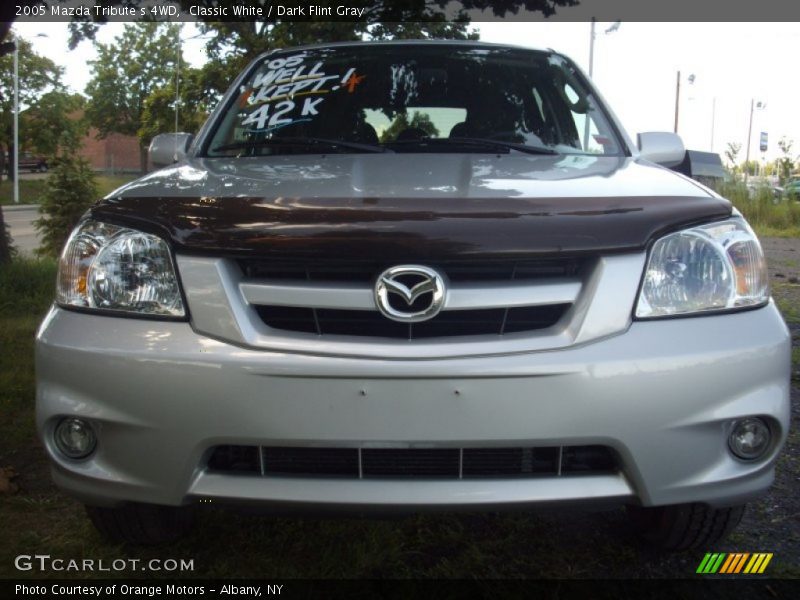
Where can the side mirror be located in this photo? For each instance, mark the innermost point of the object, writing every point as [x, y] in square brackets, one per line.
[662, 148]
[168, 148]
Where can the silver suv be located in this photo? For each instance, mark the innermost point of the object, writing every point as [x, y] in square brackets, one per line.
[413, 276]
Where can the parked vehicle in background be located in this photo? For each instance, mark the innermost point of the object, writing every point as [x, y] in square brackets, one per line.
[763, 186]
[792, 188]
[31, 162]
[705, 167]
[411, 276]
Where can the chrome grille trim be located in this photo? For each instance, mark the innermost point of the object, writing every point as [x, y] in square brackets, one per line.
[308, 295]
[459, 296]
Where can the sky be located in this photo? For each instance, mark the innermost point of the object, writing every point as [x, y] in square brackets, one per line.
[635, 70]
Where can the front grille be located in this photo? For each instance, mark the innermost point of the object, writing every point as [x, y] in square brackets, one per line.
[495, 321]
[413, 463]
[370, 323]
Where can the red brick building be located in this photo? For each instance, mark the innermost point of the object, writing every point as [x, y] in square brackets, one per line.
[113, 154]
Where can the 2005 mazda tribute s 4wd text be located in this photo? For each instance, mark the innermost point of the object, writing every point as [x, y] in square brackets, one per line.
[408, 276]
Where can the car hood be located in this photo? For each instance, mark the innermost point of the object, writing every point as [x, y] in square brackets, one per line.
[411, 206]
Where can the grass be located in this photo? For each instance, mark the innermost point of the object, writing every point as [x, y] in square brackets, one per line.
[26, 290]
[227, 545]
[769, 217]
[31, 190]
[786, 299]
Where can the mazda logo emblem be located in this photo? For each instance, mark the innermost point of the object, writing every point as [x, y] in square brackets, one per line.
[407, 284]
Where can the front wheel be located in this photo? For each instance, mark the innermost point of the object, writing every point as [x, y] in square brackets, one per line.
[684, 526]
[141, 524]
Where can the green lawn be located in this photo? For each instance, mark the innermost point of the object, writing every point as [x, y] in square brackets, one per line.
[31, 190]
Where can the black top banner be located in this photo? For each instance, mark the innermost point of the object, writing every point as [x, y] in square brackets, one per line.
[374, 11]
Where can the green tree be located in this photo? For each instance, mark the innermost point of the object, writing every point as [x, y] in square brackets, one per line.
[732, 154]
[70, 190]
[158, 115]
[751, 167]
[785, 162]
[400, 123]
[37, 75]
[125, 73]
[6, 248]
[53, 115]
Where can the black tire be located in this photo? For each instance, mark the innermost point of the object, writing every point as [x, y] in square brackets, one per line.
[142, 524]
[684, 526]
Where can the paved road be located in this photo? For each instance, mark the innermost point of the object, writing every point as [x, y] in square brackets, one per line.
[20, 222]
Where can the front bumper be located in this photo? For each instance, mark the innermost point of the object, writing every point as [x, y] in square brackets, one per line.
[662, 395]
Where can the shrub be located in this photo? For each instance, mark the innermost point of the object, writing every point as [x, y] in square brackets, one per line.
[7, 250]
[71, 188]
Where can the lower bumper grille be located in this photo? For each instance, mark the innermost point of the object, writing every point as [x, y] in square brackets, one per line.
[440, 463]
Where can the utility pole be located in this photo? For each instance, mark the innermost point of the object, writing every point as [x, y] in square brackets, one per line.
[753, 105]
[592, 37]
[749, 133]
[713, 118]
[677, 99]
[15, 166]
[177, 90]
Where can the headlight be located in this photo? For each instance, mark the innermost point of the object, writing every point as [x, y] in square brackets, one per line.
[113, 268]
[712, 267]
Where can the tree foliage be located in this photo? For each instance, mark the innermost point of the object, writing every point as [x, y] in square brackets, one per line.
[785, 162]
[732, 154]
[70, 190]
[141, 60]
[37, 76]
[196, 101]
[57, 114]
[7, 250]
[401, 122]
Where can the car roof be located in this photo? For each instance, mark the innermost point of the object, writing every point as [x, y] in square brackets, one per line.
[463, 43]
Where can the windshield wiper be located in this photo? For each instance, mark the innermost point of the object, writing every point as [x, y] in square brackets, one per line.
[300, 141]
[486, 142]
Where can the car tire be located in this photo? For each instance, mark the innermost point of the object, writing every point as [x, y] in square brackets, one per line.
[684, 526]
[141, 524]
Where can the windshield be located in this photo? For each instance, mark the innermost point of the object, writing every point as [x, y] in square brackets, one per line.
[413, 98]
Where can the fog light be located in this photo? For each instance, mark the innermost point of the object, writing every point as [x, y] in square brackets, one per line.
[750, 438]
[75, 438]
